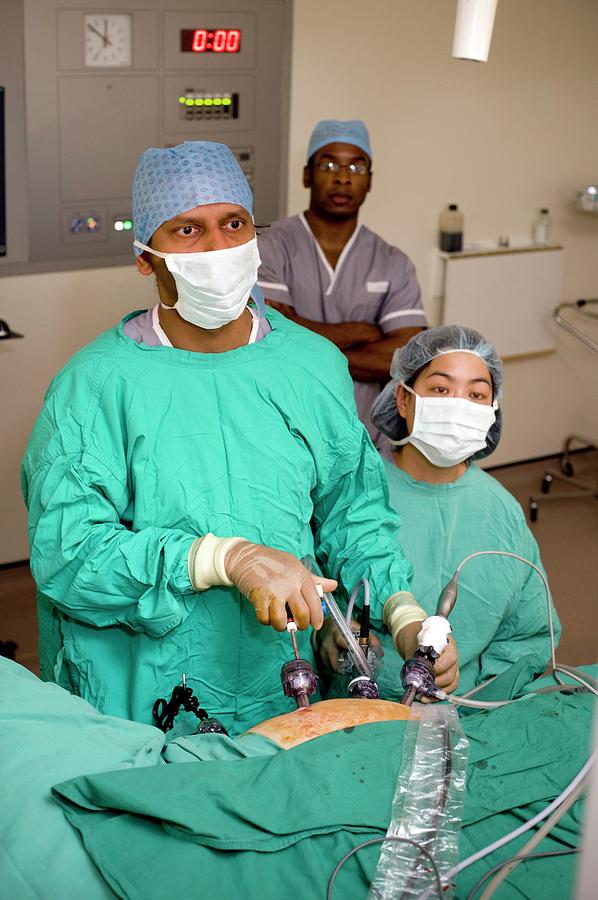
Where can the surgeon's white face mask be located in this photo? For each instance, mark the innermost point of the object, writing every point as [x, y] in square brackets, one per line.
[448, 430]
[213, 287]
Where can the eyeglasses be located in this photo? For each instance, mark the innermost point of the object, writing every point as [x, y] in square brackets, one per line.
[353, 168]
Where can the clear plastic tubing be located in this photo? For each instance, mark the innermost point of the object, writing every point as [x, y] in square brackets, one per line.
[427, 806]
[355, 650]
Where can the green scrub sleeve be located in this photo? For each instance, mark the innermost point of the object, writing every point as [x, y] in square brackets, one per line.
[355, 529]
[89, 563]
[524, 630]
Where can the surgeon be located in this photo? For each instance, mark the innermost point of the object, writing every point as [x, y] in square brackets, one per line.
[184, 463]
[441, 413]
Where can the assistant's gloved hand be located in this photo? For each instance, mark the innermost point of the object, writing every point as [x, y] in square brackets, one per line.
[329, 642]
[446, 667]
[404, 619]
[272, 578]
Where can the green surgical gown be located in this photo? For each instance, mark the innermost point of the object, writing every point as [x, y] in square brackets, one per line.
[136, 452]
[501, 611]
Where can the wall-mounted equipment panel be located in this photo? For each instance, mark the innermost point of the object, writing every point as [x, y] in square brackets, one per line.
[102, 85]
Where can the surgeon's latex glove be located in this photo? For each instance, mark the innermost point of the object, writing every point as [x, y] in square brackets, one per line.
[329, 642]
[446, 667]
[270, 579]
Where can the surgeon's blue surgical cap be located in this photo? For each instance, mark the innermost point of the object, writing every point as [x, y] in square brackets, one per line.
[415, 355]
[332, 131]
[170, 181]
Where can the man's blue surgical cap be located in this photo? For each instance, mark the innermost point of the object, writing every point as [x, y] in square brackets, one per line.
[331, 131]
[415, 355]
[170, 181]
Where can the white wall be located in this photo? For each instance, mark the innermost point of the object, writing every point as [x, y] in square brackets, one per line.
[58, 313]
[501, 139]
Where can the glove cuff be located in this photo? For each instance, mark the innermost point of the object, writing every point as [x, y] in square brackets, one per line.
[206, 561]
[401, 609]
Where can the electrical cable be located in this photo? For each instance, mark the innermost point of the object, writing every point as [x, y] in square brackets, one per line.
[507, 838]
[582, 677]
[479, 687]
[480, 704]
[536, 839]
[536, 569]
[563, 689]
[519, 858]
[363, 582]
[382, 840]
[451, 592]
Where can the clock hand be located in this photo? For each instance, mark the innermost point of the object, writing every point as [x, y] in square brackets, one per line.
[99, 34]
[107, 43]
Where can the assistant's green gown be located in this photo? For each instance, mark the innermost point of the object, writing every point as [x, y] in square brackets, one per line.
[501, 611]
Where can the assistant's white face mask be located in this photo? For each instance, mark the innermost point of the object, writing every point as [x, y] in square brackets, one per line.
[213, 287]
[448, 430]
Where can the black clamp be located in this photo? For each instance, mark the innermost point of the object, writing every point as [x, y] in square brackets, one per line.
[182, 696]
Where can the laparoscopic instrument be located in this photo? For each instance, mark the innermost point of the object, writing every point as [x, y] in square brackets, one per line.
[297, 675]
[359, 658]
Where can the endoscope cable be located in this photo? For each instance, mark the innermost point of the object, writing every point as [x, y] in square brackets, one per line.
[448, 598]
[530, 857]
[543, 814]
[442, 801]
[521, 829]
[382, 840]
[536, 839]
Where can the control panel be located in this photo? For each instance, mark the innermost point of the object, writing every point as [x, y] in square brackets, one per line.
[102, 85]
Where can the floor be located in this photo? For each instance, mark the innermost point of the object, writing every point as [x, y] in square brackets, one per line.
[566, 530]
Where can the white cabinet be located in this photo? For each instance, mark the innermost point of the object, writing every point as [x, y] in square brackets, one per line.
[507, 295]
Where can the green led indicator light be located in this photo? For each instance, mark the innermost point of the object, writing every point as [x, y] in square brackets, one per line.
[226, 101]
[199, 101]
[217, 101]
[127, 224]
[182, 99]
[189, 102]
[208, 101]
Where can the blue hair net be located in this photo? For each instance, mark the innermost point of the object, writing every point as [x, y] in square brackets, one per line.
[332, 131]
[170, 181]
[415, 355]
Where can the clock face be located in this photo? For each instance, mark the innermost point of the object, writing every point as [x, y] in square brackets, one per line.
[107, 39]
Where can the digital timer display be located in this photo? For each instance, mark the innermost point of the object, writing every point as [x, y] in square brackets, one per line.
[210, 40]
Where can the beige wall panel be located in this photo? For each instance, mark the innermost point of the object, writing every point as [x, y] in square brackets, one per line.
[501, 139]
[58, 313]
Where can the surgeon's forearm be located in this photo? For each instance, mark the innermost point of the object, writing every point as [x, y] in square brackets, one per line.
[139, 579]
[372, 361]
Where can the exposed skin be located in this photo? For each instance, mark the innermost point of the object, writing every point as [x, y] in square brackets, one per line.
[461, 375]
[215, 226]
[335, 200]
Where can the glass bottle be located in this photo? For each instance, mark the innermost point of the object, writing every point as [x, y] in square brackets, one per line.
[542, 227]
[451, 229]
